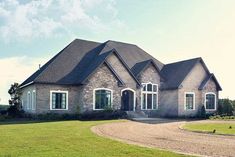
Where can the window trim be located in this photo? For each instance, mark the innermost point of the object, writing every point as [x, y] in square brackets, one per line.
[205, 101]
[94, 90]
[194, 101]
[148, 92]
[33, 101]
[134, 96]
[67, 98]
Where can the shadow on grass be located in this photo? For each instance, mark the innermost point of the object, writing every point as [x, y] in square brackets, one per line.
[164, 120]
[32, 121]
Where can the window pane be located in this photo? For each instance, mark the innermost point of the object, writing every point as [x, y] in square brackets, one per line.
[102, 99]
[144, 89]
[154, 101]
[34, 101]
[59, 101]
[149, 101]
[210, 101]
[155, 88]
[189, 101]
[149, 88]
[144, 101]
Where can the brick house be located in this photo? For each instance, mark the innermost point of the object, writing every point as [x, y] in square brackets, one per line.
[95, 76]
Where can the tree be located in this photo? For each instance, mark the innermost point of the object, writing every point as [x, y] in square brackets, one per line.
[225, 107]
[15, 103]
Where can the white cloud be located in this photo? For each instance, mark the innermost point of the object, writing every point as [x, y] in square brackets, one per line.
[48, 18]
[17, 69]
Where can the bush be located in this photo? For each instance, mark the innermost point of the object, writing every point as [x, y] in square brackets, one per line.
[225, 107]
[103, 115]
[202, 112]
[218, 117]
[14, 112]
[53, 116]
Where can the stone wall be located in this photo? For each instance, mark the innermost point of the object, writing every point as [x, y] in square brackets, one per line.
[102, 78]
[210, 87]
[191, 84]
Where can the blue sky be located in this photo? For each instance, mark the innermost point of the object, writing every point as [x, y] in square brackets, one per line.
[33, 31]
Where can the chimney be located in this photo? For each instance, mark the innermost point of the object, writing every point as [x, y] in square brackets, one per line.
[39, 66]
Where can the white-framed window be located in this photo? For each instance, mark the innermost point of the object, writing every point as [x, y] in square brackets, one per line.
[33, 100]
[149, 96]
[22, 104]
[58, 100]
[189, 101]
[28, 106]
[102, 98]
[210, 101]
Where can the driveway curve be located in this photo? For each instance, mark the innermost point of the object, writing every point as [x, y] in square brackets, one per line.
[168, 135]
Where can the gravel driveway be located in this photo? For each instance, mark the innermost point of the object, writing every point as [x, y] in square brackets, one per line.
[166, 134]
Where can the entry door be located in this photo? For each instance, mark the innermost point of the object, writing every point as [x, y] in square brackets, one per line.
[127, 100]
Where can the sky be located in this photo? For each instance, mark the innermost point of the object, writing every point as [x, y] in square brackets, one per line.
[31, 32]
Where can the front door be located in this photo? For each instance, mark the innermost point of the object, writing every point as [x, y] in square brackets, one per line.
[128, 100]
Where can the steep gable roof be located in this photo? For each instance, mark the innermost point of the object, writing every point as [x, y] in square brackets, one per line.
[175, 73]
[138, 68]
[204, 82]
[62, 63]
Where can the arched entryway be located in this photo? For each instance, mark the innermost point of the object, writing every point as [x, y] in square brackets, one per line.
[128, 99]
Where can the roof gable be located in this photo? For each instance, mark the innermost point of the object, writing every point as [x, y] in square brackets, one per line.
[138, 68]
[175, 73]
[204, 82]
[100, 59]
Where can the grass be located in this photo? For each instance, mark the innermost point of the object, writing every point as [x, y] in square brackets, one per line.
[220, 128]
[66, 138]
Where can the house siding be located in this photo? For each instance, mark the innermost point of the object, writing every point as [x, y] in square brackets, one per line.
[168, 103]
[24, 100]
[191, 84]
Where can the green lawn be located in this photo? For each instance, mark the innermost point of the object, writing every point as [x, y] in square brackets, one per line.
[66, 138]
[221, 128]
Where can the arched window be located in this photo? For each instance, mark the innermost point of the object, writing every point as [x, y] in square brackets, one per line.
[149, 96]
[102, 98]
[210, 101]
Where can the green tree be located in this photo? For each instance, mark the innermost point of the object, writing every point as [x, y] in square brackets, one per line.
[225, 107]
[15, 103]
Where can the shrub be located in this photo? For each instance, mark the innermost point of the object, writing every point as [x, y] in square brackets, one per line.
[202, 112]
[14, 112]
[225, 107]
[103, 115]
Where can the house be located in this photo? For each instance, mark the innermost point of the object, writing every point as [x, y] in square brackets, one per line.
[88, 76]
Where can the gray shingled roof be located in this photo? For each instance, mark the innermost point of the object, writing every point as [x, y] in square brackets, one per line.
[81, 58]
[175, 73]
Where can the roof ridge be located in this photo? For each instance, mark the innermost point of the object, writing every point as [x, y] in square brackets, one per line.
[85, 40]
[120, 42]
[197, 58]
